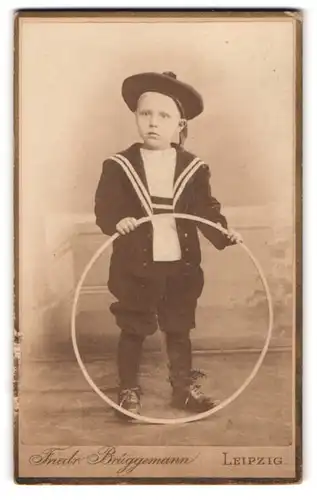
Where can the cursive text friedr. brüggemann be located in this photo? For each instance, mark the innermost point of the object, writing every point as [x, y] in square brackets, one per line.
[125, 463]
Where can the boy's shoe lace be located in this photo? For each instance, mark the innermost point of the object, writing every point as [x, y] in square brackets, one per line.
[193, 398]
[196, 374]
[129, 399]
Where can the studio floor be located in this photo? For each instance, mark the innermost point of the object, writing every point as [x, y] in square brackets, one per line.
[57, 407]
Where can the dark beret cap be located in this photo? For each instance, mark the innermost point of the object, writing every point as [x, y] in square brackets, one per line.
[164, 83]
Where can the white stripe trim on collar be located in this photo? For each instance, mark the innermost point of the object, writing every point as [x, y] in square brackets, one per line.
[185, 172]
[133, 179]
[189, 173]
[136, 176]
[161, 205]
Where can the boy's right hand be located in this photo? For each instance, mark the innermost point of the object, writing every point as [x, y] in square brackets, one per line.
[126, 225]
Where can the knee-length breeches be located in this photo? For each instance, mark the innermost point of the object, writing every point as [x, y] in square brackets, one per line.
[165, 296]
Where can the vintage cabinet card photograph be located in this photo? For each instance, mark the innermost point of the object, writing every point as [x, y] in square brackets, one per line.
[157, 246]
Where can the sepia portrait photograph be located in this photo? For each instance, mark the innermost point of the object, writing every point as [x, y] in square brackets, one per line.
[157, 246]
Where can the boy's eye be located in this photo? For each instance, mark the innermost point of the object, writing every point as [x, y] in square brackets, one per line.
[146, 112]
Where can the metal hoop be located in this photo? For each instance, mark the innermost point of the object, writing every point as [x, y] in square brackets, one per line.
[199, 416]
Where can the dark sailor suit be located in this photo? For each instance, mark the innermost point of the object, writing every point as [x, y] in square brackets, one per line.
[150, 293]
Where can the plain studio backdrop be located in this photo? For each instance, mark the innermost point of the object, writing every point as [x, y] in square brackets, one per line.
[72, 117]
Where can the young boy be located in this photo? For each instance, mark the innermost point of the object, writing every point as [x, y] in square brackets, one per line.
[155, 271]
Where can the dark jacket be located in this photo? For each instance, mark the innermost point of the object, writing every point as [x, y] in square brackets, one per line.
[116, 199]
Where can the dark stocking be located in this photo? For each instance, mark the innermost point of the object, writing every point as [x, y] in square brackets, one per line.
[128, 358]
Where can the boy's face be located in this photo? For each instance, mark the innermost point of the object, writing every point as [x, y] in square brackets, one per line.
[158, 120]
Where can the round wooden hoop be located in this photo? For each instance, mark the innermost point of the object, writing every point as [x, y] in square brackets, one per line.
[191, 418]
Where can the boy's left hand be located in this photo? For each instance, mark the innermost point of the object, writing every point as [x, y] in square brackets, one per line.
[234, 236]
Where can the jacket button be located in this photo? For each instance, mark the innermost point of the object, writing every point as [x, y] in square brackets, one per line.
[144, 264]
[186, 235]
[186, 249]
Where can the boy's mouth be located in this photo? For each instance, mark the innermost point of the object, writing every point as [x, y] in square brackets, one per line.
[153, 134]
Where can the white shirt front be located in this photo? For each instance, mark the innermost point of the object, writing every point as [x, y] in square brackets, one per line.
[159, 168]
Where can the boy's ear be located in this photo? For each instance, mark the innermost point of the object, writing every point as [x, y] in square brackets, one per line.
[182, 123]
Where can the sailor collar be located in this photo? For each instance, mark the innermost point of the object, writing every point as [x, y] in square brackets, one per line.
[132, 164]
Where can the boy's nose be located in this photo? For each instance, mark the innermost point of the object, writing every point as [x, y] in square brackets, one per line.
[153, 121]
